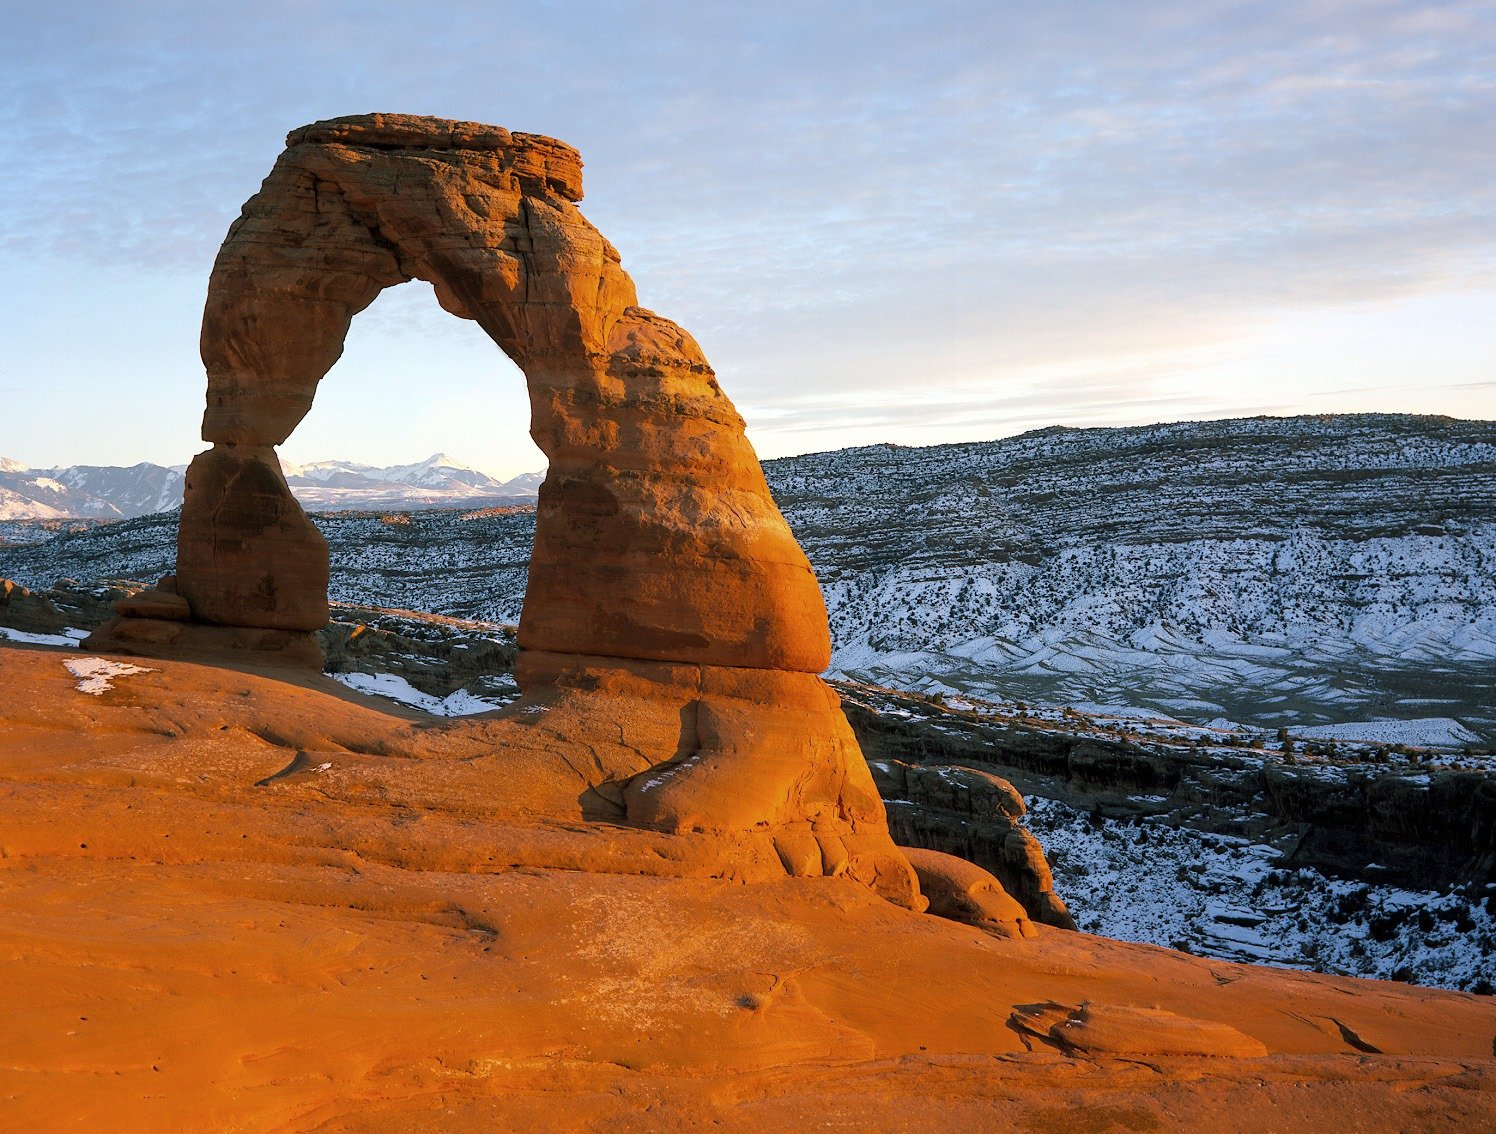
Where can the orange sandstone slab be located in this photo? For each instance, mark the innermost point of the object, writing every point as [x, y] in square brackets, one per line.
[233, 902]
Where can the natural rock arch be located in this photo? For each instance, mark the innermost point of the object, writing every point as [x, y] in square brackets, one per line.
[672, 629]
[656, 536]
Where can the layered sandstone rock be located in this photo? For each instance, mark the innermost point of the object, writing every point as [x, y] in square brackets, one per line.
[971, 814]
[1126, 1030]
[963, 891]
[666, 594]
[657, 538]
[155, 602]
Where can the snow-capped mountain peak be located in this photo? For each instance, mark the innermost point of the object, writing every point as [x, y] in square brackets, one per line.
[438, 481]
[108, 492]
[526, 484]
[86, 491]
[437, 470]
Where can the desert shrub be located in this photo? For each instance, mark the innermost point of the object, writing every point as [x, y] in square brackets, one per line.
[1351, 903]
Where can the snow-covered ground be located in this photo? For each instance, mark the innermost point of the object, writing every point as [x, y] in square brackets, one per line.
[1221, 896]
[1312, 572]
[69, 637]
[1427, 732]
[1199, 629]
[1273, 571]
[458, 704]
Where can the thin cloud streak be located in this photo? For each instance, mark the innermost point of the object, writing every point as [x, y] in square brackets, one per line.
[859, 201]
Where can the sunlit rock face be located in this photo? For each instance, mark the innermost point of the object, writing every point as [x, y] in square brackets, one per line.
[671, 621]
[657, 538]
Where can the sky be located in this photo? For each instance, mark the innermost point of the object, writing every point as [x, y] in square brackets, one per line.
[884, 222]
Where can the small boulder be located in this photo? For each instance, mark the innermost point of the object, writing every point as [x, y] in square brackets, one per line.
[1111, 1029]
[963, 891]
[154, 604]
[21, 609]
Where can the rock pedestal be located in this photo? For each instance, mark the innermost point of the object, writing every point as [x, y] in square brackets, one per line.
[246, 553]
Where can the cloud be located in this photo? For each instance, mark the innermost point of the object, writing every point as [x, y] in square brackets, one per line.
[852, 197]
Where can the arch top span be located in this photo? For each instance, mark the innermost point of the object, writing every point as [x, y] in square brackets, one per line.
[358, 204]
[550, 162]
[656, 536]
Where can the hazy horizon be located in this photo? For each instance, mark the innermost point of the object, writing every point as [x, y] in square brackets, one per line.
[883, 224]
[462, 460]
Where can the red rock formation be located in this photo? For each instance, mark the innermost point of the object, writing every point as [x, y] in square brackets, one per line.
[963, 891]
[238, 902]
[656, 535]
[663, 574]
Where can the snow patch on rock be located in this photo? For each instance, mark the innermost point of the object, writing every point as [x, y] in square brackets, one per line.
[396, 688]
[96, 674]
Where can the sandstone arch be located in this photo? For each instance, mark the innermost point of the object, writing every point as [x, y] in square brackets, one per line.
[656, 536]
[672, 628]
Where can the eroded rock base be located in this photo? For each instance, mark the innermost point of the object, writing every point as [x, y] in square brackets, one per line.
[195, 641]
[698, 748]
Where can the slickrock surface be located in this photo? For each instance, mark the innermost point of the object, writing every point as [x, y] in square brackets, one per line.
[237, 902]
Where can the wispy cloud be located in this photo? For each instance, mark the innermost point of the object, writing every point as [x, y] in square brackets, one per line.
[852, 198]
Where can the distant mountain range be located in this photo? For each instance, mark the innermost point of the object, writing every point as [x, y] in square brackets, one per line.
[1306, 571]
[101, 492]
[94, 492]
[436, 482]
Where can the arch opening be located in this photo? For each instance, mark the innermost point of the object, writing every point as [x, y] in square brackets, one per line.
[413, 381]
